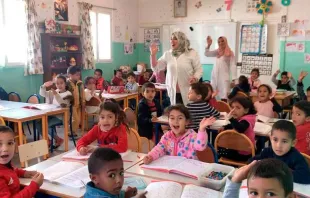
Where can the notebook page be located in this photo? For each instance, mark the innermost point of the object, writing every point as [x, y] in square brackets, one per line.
[191, 167]
[192, 191]
[125, 153]
[166, 162]
[60, 169]
[262, 128]
[75, 179]
[164, 190]
[44, 106]
[76, 155]
[262, 118]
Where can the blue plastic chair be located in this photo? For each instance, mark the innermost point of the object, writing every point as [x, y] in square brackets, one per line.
[13, 96]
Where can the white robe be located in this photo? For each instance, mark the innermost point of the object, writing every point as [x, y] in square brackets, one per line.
[179, 70]
[220, 78]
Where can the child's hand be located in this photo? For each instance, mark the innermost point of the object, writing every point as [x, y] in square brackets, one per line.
[242, 173]
[289, 74]
[83, 151]
[302, 75]
[130, 192]
[142, 195]
[230, 115]
[277, 72]
[38, 178]
[206, 122]
[54, 91]
[147, 159]
[30, 174]
[154, 118]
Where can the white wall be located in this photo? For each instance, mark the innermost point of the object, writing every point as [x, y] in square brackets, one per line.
[159, 12]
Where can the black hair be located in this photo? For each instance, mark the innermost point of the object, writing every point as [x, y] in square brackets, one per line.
[101, 156]
[98, 70]
[243, 80]
[73, 70]
[303, 106]
[210, 88]
[60, 76]
[267, 86]
[285, 126]
[245, 102]
[114, 108]
[308, 89]
[119, 70]
[131, 74]
[200, 89]
[255, 70]
[273, 169]
[87, 79]
[6, 129]
[147, 85]
[284, 73]
[178, 107]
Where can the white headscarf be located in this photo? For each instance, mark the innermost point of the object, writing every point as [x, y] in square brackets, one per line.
[184, 43]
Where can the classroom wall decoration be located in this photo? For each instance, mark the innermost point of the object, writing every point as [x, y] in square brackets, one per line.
[251, 5]
[253, 39]
[61, 10]
[128, 48]
[180, 8]
[286, 2]
[263, 62]
[151, 35]
[283, 29]
[307, 58]
[295, 46]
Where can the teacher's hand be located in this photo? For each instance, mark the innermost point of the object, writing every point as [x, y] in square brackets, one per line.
[192, 80]
[153, 49]
[209, 41]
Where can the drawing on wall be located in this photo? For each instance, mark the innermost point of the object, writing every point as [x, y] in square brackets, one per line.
[262, 62]
[251, 5]
[198, 4]
[151, 35]
[128, 48]
[180, 8]
[61, 10]
[295, 47]
[117, 32]
[283, 29]
[298, 28]
[307, 58]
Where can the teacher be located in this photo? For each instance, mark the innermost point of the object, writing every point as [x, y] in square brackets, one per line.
[182, 64]
[224, 65]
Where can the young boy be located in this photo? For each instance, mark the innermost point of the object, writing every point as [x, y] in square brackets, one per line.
[283, 139]
[198, 107]
[131, 85]
[148, 110]
[99, 79]
[118, 78]
[90, 92]
[301, 119]
[300, 87]
[106, 171]
[287, 81]
[9, 176]
[77, 89]
[144, 78]
[265, 178]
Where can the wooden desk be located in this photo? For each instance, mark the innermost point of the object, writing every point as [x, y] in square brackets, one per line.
[283, 99]
[13, 105]
[123, 97]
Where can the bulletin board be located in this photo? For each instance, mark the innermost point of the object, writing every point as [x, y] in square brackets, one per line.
[253, 39]
[262, 61]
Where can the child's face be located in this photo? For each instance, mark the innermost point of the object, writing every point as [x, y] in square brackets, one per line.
[75, 77]
[281, 142]
[263, 94]
[177, 122]
[119, 74]
[110, 178]
[193, 96]
[60, 84]
[131, 79]
[97, 75]
[239, 110]
[107, 120]
[284, 79]
[149, 94]
[146, 76]
[299, 117]
[91, 84]
[265, 187]
[254, 75]
[308, 96]
[7, 147]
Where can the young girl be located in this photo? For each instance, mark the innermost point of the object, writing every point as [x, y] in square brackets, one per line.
[266, 105]
[180, 141]
[90, 92]
[60, 97]
[110, 131]
[242, 119]
[253, 79]
[9, 176]
[243, 86]
[211, 95]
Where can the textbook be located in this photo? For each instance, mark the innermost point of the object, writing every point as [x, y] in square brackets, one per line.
[75, 155]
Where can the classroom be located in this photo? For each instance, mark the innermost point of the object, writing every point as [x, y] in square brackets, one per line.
[165, 98]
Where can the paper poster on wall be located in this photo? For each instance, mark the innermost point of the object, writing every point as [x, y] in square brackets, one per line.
[128, 48]
[253, 39]
[295, 47]
[307, 58]
[283, 29]
[251, 5]
[151, 35]
[298, 29]
[61, 10]
[117, 32]
[263, 62]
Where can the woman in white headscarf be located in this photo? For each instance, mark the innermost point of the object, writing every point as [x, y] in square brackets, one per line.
[182, 64]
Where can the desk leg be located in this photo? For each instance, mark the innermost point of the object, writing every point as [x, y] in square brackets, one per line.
[161, 97]
[125, 102]
[157, 125]
[35, 131]
[66, 129]
[21, 135]
[82, 121]
[44, 132]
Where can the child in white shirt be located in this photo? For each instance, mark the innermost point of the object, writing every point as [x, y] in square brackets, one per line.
[131, 87]
[90, 92]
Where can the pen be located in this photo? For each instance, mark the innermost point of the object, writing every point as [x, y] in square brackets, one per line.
[141, 164]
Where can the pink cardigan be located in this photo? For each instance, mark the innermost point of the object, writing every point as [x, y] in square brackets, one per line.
[185, 146]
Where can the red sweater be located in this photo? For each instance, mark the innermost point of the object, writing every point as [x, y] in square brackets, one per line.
[117, 81]
[99, 83]
[10, 186]
[303, 138]
[115, 139]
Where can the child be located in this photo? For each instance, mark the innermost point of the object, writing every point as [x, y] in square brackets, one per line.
[60, 97]
[131, 85]
[180, 141]
[199, 108]
[301, 119]
[300, 87]
[77, 89]
[106, 170]
[110, 131]
[266, 105]
[287, 81]
[265, 178]
[144, 78]
[243, 86]
[242, 119]
[90, 92]
[9, 182]
[118, 78]
[253, 79]
[99, 79]
[283, 139]
[211, 95]
[148, 110]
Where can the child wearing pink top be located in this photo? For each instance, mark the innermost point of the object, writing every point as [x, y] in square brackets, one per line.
[253, 79]
[180, 141]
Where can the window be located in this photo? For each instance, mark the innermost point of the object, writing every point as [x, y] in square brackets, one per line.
[13, 32]
[101, 32]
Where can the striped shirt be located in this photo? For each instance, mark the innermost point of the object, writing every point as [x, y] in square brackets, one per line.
[200, 110]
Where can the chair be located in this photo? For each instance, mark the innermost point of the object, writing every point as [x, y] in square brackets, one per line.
[241, 94]
[93, 102]
[32, 150]
[33, 99]
[208, 155]
[222, 106]
[131, 118]
[307, 158]
[231, 139]
[2, 121]
[13, 96]
[135, 141]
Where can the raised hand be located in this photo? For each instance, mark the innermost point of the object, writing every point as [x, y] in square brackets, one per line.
[153, 49]
[48, 84]
[206, 122]
[302, 75]
[242, 173]
[289, 74]
[277, 72]
[209, 41]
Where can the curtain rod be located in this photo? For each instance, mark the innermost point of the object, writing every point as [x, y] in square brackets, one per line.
[101, 6]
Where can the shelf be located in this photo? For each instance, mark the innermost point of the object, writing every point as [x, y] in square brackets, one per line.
[63, 35]
[68, 52]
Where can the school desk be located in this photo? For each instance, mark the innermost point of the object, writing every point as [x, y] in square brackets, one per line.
[283, 99]
[123, 97]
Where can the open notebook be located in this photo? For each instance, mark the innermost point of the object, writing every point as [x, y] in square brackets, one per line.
[76, 155]
[42, 106]
[262, 128]
[179, 165]
[173, 189]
